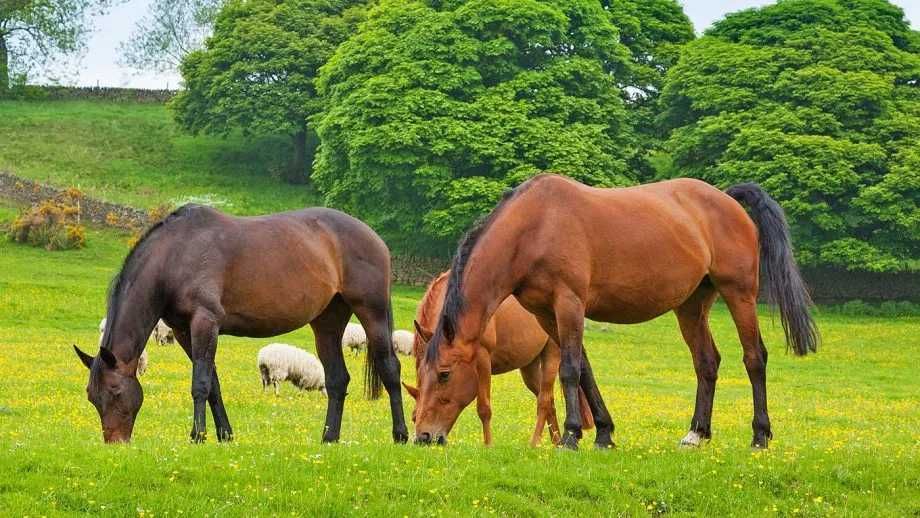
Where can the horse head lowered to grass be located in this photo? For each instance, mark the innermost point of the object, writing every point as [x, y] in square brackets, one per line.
[567, 251]
[513, 339]
[206, 273]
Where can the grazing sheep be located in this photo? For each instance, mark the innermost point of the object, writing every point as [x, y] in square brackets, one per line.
[282, 362]
[141, 362]
[354, 338]
[403, 341]
[163, 334]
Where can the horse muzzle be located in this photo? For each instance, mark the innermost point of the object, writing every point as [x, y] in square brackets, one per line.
[427, 439]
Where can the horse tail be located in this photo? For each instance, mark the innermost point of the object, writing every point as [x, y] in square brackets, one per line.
[784, 285]
[372, 382]
[587, 418]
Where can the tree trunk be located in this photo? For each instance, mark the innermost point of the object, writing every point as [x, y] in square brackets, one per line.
[4, 66]
[297, 172]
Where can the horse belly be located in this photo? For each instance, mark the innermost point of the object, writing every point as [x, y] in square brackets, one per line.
[273, 308]
[642, 299]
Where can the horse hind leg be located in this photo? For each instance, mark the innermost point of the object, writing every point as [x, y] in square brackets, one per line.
[693, 318]
[376, 316]
[328, 328]
[741, 299]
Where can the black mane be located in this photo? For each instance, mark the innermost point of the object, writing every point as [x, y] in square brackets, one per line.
[128, 272]
[453, 297]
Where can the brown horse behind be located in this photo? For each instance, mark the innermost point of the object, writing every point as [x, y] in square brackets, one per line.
[567, 251]
[206, 273]
[513, 339]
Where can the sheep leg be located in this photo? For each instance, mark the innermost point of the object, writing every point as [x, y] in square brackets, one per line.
[328, 328]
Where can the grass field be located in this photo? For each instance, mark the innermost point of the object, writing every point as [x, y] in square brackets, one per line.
[134, 154]
[846, 424]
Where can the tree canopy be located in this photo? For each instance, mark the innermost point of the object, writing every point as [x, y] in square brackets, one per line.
[32, 33]
[819, 102]
[256, 72]
[434, 108]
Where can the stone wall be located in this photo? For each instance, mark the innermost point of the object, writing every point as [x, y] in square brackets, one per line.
[70, 93]
[93, 211]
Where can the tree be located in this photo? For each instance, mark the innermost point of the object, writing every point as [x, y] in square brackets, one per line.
[819, 102]
[256, 73]
[434, 108]
[32, 32]
[654, 31]
[168, 32]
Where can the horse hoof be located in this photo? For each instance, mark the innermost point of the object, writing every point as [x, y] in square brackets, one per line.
[691, 440]
[760, 444]
[604, 445]
[199, 437]
[401, 437]
[225, 436]
[569, 442]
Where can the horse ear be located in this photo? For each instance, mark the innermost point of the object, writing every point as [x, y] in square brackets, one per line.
[419, 330]
[85, 358]
[108, 358]
[411, 390]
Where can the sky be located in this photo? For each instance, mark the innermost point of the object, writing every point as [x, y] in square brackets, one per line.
[99, 65]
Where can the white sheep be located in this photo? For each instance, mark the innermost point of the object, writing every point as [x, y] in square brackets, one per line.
[282, 362]
[163, 334]
[403, 341]
[141, 362]
[354, 338]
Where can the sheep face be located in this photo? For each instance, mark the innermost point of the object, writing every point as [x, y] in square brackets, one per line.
[114, 391]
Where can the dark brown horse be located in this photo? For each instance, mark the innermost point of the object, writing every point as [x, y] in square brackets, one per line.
[206, 274]
[567, 251]
[513, 339]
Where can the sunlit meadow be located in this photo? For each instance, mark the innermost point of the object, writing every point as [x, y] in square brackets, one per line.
[846, 424]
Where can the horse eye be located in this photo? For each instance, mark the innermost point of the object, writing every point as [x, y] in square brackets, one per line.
[443, 376]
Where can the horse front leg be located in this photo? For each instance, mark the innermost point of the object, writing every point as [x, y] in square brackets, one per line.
[569, 330]
[204, 332]
[218, 411]
[484, 396]
[602, 419]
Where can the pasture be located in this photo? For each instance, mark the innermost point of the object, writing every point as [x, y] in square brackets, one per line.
[846, 424]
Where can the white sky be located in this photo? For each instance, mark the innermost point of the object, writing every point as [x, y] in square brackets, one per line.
[100, 64]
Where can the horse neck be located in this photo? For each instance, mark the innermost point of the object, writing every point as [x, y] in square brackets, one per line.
[489, 278]
[134, 318]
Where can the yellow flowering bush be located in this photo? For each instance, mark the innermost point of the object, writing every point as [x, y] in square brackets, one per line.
[53, 224]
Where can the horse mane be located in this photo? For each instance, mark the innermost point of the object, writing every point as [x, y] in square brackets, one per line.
[129, 267]
[425, 310]
[453, 299]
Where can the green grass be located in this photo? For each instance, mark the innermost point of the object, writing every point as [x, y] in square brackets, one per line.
[134, 154]
[846, 421]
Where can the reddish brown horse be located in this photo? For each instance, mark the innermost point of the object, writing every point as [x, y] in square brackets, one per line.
[567, 251]
[513, 339]
[206, 274]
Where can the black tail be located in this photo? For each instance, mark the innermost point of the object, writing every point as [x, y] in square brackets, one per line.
[373, 385]
[784, 285]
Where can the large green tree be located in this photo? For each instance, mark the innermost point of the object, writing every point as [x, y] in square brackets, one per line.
[256, 72]
[435, 107]
[654, 31]
[819, 102]
[33, 32]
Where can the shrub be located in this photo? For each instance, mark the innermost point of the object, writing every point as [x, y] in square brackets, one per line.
[53, 224]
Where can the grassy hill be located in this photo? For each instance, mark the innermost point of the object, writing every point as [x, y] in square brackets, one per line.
[133, 154]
